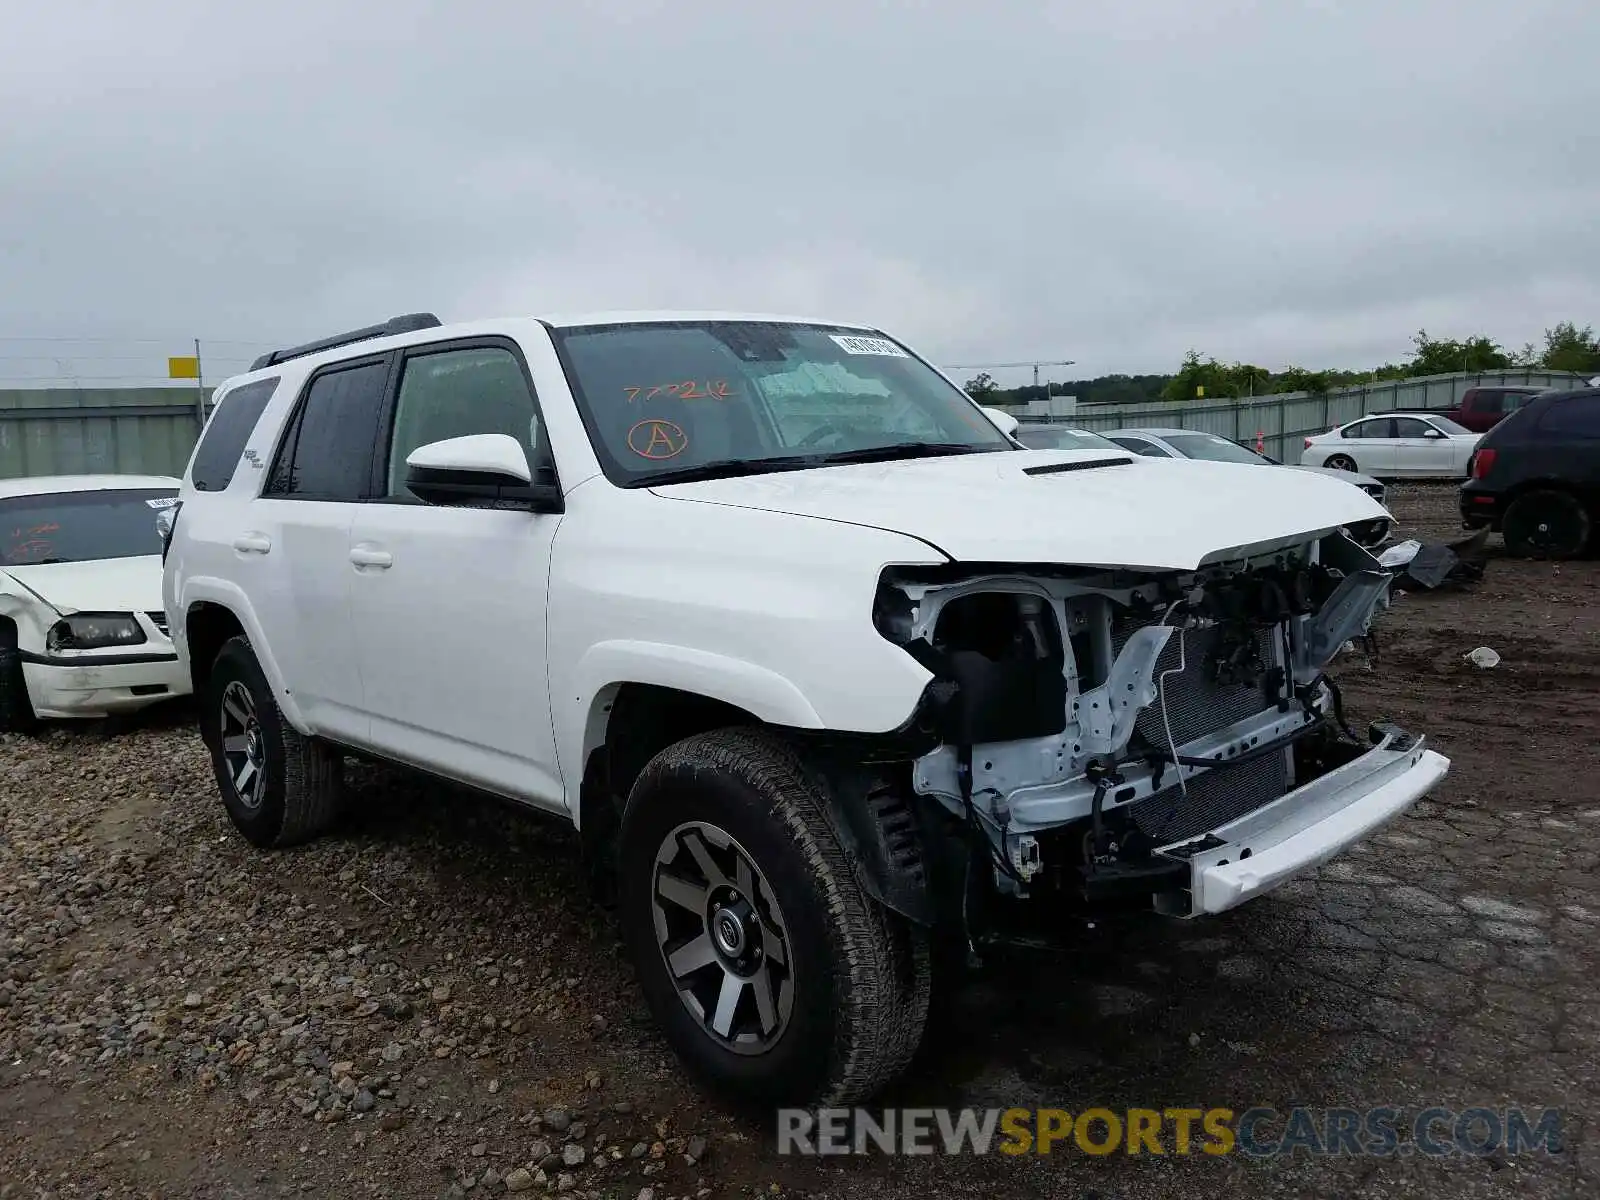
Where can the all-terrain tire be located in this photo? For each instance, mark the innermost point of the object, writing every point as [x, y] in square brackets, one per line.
[1547, 524]
[861, 974]
[302, 790]
[16, 710]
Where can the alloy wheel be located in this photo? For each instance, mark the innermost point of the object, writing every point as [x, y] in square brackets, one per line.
[722, 937]
[243, 746]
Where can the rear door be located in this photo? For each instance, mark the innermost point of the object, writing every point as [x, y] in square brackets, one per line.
[1371, 444]
[1568, 445]
[301, 527]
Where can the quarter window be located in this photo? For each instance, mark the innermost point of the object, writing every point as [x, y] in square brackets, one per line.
[1578, 417]
[232, 422]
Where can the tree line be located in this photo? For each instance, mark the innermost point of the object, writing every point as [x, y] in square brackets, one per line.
[1566, 348]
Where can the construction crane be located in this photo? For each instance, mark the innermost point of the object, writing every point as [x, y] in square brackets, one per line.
[1059, 362]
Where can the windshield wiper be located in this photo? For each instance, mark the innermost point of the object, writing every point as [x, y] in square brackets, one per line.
[725, 468]
[730, 468]
[894, 450]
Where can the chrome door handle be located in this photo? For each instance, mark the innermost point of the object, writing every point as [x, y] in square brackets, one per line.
[252, 543]
[367, 556]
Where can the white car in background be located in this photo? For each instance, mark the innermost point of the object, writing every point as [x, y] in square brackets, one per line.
[1211, 447]
[82, 630]
[1391, 445]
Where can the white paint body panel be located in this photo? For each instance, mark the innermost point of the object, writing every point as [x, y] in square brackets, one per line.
[1170, 515]
[1309, 826]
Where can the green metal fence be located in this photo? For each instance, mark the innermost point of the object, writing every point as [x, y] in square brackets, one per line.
[69, 431]
[1281, 421]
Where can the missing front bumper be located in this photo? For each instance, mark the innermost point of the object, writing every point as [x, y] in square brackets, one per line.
[1261, 850]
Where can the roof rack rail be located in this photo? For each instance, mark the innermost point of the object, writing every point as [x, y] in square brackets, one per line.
[409, 323]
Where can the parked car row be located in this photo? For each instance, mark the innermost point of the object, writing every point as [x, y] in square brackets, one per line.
[1206, 447]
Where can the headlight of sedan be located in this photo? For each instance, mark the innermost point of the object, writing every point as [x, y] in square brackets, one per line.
[94, 631]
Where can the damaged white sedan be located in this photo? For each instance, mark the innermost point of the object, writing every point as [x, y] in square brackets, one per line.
[82, 631]
[822, 664]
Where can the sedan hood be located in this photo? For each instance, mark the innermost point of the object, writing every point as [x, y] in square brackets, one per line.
[1361, 481]
[104, 585]
[1082, 507]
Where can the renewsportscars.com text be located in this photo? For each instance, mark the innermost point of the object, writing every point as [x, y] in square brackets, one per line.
[1258, 1132]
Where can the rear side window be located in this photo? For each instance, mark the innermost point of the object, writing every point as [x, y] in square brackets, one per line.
[223, 441]
[1578, 417]
[1369, 429]
[1140, 446]
[327, 452]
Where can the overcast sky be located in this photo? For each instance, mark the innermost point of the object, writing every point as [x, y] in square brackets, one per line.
[1302, 183]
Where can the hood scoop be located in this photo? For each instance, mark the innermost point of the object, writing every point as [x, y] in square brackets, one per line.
[1093, 465]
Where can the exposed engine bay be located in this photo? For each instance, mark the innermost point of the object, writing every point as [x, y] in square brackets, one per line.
[1096, 724]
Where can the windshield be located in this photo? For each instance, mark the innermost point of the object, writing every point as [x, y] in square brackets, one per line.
[704, 398]
[1449, 426]
[81, 526]
[1211, 447]
[1063, 439]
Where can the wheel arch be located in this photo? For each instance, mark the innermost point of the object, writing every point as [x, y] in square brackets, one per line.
[215, 611]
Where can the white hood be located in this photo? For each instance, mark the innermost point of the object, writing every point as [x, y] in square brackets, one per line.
[103, 585]
[1168, 515]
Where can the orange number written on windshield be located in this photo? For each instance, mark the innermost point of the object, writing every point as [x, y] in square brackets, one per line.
[689, 389]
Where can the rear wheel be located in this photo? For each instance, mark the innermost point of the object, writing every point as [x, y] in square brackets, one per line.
[1547, 524]
[1341, 462]
[774, 976]
[279, 786]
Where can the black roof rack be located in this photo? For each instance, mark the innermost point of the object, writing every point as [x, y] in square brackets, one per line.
[409, 323]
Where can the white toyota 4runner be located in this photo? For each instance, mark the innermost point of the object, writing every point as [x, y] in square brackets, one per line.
[823, 666]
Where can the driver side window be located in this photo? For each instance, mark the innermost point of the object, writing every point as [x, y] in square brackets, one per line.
[1411, 428]
[453, 393]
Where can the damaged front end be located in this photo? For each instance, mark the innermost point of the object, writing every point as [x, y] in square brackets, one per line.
[1112, 739]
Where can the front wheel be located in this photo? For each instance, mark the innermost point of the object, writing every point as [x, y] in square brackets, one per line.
[1546, 524]
[16, 710]
[1342, 462]
[774, 976]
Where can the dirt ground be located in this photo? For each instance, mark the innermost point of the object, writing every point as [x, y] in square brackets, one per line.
[423, 1004]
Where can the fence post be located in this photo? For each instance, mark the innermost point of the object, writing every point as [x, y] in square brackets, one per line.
[199, 393]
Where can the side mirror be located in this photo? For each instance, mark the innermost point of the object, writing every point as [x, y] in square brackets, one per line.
[1003, 421]
[481, 470]
[1433, 433]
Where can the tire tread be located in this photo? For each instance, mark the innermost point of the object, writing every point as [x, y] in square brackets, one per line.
[886, 978]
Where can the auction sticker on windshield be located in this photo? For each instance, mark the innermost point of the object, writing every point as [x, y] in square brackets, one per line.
[867, 345]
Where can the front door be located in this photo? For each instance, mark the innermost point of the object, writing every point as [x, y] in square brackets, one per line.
[1420, 449]
[449, 603]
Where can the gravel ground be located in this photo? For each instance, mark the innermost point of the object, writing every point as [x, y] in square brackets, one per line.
[423, 1004]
